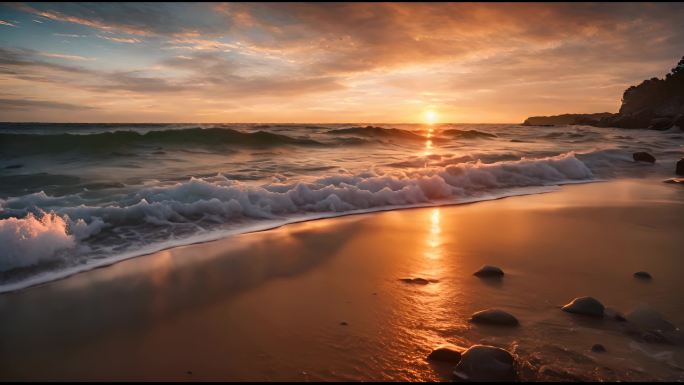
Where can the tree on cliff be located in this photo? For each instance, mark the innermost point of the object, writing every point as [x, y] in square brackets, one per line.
[678, 70]
[657, 96]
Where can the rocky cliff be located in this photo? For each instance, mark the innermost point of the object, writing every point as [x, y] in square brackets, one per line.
[656, 104]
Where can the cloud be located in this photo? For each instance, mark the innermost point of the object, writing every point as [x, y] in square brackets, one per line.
[356, 37]
[206, 75]
[120, 39]
[68, 35]
[29, 104]
[67, 57]
[497, 61]
[142, 19]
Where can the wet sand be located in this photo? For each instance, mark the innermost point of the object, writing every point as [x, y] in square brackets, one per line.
[271, 305]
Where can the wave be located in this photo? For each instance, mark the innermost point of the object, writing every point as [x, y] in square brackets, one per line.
[22, 144]
[77, 228]
[467, 134]
[378, 132]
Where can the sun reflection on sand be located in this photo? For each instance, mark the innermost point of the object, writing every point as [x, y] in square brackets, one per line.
[434, 251]
[434, 265]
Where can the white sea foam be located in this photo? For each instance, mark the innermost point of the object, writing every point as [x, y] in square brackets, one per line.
[40, 238]
[27, 241]
[210, 203]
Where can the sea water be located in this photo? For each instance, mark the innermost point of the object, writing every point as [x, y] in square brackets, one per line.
[78, 196]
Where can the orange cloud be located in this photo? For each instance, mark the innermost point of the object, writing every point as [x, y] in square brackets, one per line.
[472, 62]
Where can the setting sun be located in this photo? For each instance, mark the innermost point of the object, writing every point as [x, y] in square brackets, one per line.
[430, 117]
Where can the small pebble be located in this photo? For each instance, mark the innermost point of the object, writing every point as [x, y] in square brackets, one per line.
[446, 353]
[487, 271]
[642, 275]
[494, 317]
[585, 306]
[598, 348]
[418, 281]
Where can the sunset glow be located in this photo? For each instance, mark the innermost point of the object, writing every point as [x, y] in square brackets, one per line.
[326, 192]
[334, 62]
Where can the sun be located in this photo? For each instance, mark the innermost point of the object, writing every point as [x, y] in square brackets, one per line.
[430, 117]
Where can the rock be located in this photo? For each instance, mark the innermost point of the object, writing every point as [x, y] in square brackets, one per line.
[415, 281]
[613, 314]
[446, 353]
[598, 348]
[649, 319]
[494, 317]
[643, 157]
[550, 121]
[679, 122]
[661, 124]
[679, 170]
[344, 323]
[641, 119]
[487, 271]
[585, 306]
[555, 373]
[679, 181]
[642, 275]
[486, 363]
[655, 337]
[11, 166]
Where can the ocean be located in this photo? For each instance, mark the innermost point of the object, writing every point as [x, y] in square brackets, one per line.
[74, 197]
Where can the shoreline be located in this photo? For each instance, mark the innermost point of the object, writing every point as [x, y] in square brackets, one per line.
[212, 236]
[323, 300]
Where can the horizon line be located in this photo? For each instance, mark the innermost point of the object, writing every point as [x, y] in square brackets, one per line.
[368, 123]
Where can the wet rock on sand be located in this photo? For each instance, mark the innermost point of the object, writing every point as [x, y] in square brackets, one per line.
[643, 157]
[586, 306]
[488, 271]
[598, 348]
[647, 325]
[614, 314]
[446, 353]
[417, 281]
[648, 318]
[679, 181]
[494, 317]
[642, 275]
[486, 363]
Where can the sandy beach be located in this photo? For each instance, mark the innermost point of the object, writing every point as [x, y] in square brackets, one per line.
[323, 300]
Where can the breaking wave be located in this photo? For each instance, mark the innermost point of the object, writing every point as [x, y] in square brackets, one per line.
[200, 205]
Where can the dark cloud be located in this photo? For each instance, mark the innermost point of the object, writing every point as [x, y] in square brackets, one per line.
[29, 104]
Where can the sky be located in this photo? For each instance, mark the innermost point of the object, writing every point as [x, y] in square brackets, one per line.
[327, 62]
